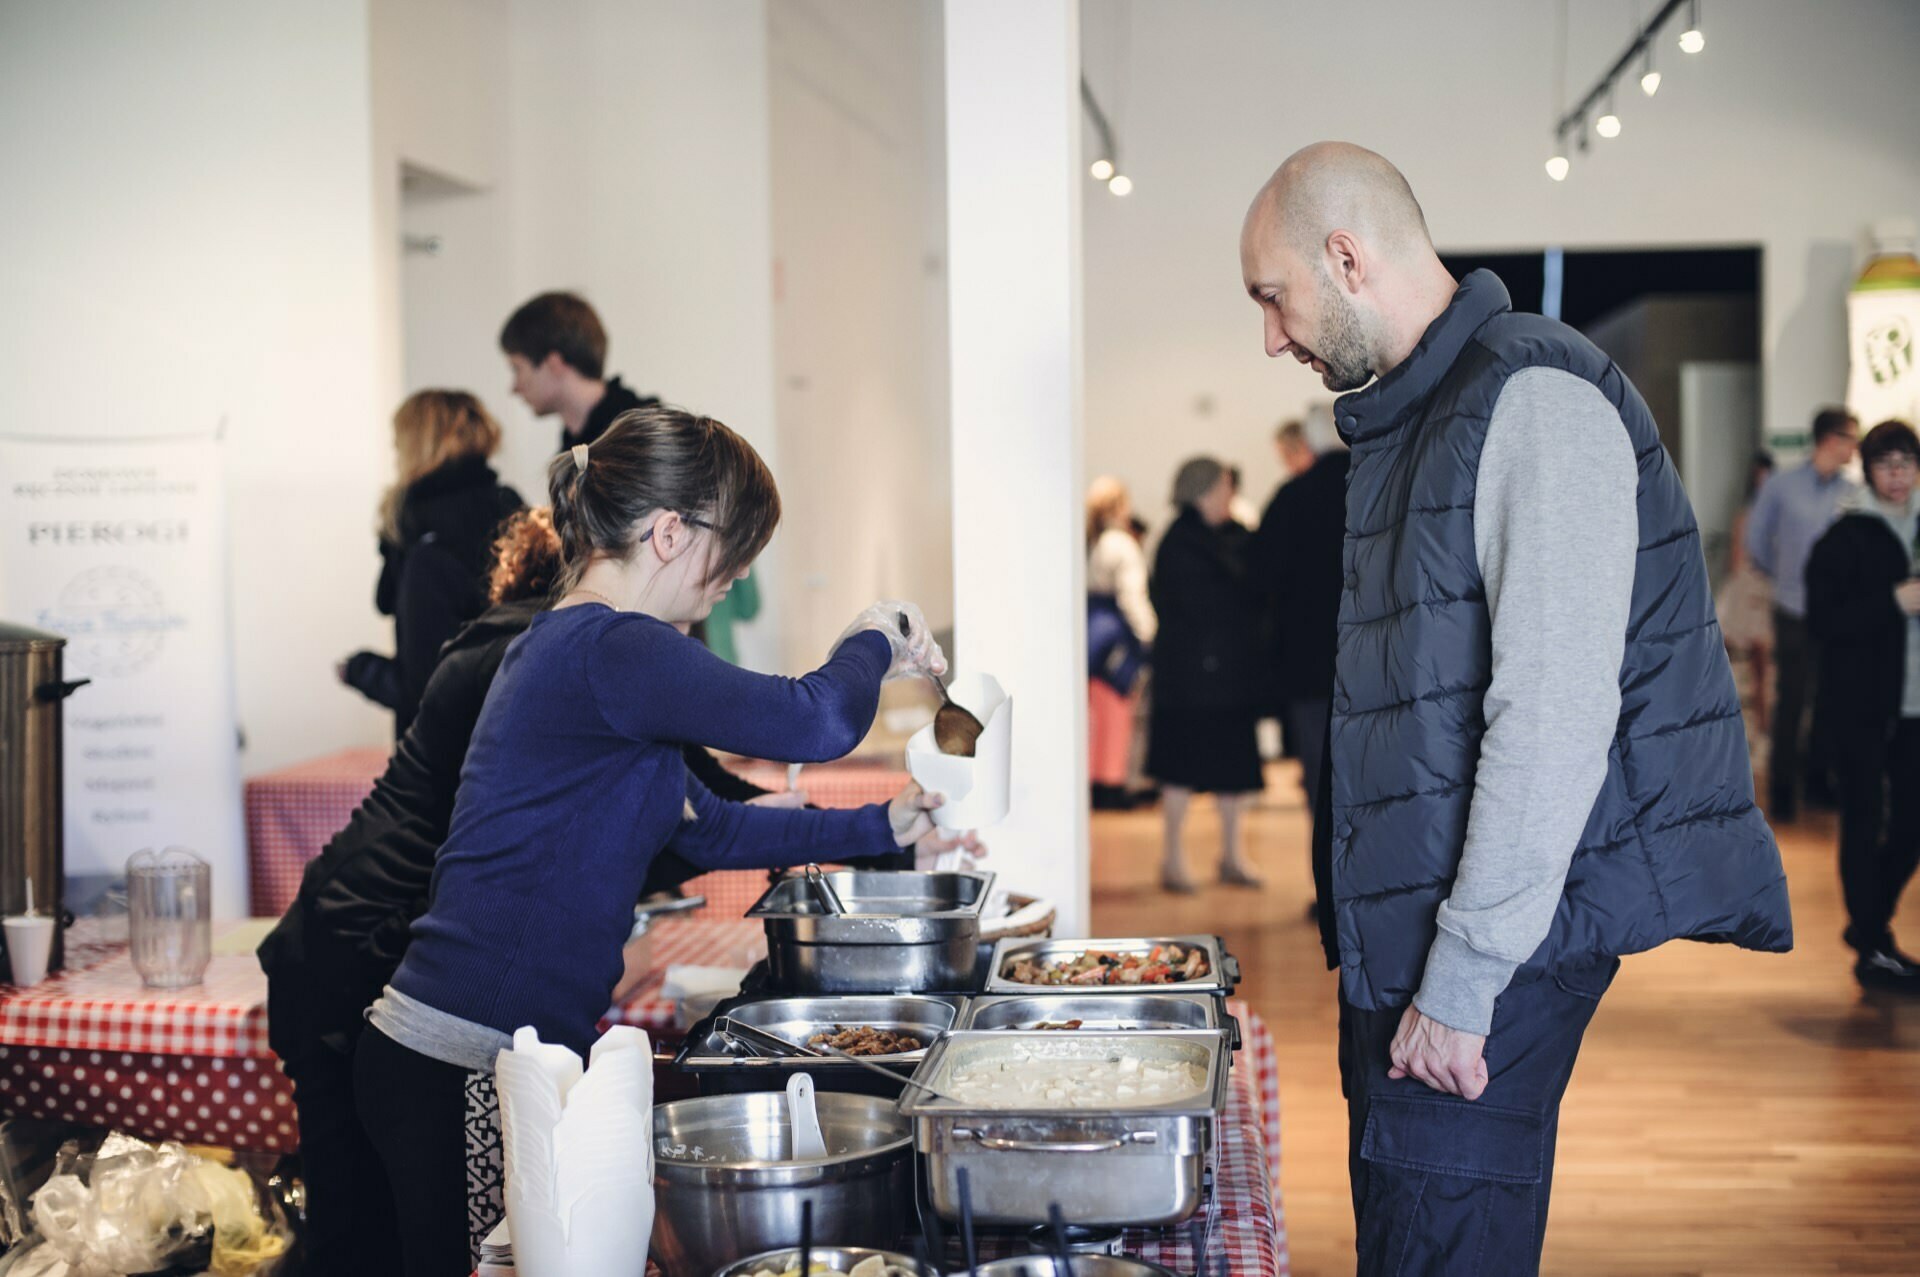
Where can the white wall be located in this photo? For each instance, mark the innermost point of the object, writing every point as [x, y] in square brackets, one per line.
[860, 324]
[187, 234]
[1796, 126]
[615, 148]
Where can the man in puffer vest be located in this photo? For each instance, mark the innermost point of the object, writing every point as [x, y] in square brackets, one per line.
[1536, 758]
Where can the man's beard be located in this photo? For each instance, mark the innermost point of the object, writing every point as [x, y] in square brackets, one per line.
[1342, 347]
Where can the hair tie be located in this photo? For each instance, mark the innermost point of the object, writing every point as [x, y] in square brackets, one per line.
[579, 451]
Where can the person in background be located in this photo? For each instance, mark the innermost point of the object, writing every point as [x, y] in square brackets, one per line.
[557, 350]
[1120, 630]
[1791, 512]
[1204, 735]
[437, 524]
[1296, 561]
[1745, 602]
[1536, 760]
[741, 604]
[1296, 454]
[574, 784]
[1863, 608]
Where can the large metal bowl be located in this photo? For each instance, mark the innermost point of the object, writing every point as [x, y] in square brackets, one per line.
[900, 932]
[837, 1258]
[743, 1195]
[1083, 1266]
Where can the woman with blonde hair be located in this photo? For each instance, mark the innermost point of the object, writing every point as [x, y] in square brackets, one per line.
[437, 524]
[1120, 629]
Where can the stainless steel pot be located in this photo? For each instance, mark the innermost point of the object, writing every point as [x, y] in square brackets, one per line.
[1083, 1266]
[837, 1258]
[1141, 1166]
[742, 1195]
[900, 932]
[32, 837]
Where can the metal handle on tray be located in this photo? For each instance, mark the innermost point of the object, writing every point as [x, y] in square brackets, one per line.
[1000, 1144]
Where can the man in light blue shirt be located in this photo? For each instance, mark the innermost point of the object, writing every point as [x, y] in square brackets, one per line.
[1789, 516]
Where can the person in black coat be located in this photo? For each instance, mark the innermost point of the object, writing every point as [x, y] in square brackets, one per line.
[345, 933]
[1297, 561]
[436, 543]
[1863, 605]
[1203, 734]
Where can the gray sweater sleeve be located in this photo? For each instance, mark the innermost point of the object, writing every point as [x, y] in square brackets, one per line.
[1556, 532]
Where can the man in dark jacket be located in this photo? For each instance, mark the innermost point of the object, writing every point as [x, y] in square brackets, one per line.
[1296, 559]
[557, 350]
[1536, 758]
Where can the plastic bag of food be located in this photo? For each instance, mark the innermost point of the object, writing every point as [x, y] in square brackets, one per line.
[134, 1207]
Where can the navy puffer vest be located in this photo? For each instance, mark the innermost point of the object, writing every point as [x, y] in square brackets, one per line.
[1674, 846]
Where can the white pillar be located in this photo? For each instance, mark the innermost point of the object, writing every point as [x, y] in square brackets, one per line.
[1013, 233]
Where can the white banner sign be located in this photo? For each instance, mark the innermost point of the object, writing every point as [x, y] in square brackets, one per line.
[1883, 325]
[120, 546]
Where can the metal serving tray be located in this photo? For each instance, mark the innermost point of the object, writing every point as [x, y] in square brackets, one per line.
[1223, 969]
[1123, 1166]
[723, 1065]
[1101, 1012]
[901, 932]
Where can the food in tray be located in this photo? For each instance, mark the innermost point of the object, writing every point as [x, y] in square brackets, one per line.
[1123, 1081]
[1162, 964]
[864, 1039]
[1056, 1026]
[871, 1266]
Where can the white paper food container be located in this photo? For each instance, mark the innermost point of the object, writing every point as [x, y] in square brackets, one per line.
[975, 788]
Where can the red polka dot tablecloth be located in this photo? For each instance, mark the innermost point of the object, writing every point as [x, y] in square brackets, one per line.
[196, 1099]
[293, 812]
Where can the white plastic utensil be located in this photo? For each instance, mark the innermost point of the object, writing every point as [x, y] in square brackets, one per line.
[808, 1144]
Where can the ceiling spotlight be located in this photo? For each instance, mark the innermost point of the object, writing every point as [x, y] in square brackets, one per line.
[1607, 125]
[1121, 184]
[1692, 40]
[1649, 78]
[1101, 170]
[1558, 167]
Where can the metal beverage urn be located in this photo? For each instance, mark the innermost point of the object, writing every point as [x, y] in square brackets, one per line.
[31, 800]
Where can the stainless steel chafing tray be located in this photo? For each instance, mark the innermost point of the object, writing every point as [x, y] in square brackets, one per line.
[1223, 969]
[795, 1020]
[1141, 1165]
[901, 932]
[1101, 1012]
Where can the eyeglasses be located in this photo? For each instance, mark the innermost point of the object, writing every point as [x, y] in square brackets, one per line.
[687, 519]
[1895, 462]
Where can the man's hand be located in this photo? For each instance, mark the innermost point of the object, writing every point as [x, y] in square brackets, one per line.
[1907, 596]
[1445, 1059]
[935, 843]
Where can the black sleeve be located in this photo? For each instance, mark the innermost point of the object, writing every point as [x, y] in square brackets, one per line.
[392, 564]
[1841, 604]
[375, 677]
[438, 594]
[717, 777]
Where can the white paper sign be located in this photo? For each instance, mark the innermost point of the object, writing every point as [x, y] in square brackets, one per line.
[120, 546]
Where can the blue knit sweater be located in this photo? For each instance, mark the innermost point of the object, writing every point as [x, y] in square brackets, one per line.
[574, 782]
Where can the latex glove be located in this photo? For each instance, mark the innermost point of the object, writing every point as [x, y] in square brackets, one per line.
[907, 814]
[937, 842]
[914, 651]
[1907, 595]
[1445, 1059]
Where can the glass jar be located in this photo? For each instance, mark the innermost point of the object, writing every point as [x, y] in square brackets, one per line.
[170, 917]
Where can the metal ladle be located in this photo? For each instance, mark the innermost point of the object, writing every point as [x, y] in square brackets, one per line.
[955, 729]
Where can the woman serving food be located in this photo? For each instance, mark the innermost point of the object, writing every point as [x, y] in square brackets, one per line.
[574, 782]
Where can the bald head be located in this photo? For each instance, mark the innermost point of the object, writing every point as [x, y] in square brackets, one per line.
[1337, 186]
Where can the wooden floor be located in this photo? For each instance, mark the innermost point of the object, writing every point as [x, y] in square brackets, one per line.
[1732, 1114]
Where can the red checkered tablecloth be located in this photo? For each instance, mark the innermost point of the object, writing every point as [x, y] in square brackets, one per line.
[292, 813]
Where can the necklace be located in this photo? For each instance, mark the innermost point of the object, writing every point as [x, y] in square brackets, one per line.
[581, 589]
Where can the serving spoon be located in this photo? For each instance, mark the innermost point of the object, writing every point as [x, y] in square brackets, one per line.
[955, 729]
